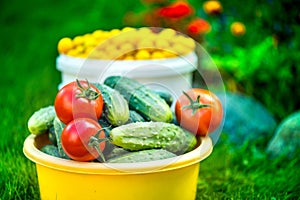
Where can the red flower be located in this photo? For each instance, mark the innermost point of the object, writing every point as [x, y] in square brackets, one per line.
[198, 26]
[176, 10]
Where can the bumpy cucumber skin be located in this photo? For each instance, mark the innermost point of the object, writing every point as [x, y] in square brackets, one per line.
[142, 99]
[116, 109]
[150, 135]
[52, 136]
[143, 156]
[41, 120]
[115, 152]
[165, 95]
[134, 117]
[58, 128]
[50, 150]
[191, 141]
[105, 125]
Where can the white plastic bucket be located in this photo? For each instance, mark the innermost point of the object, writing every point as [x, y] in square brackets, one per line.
[171, 74]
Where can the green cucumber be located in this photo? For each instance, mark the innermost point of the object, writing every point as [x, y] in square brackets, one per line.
[191, 141]
[115, 152]
[52, 136]
[51, 150]
[58, 128]
[105, 125]
[41, 120]
[116, 109]
[174, 120]
[106, 128]
[150, 135]
[141, 99]
[135, 117]
[165, 95]
[143, 156]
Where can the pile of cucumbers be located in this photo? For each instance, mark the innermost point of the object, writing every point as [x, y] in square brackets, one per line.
[138, 124]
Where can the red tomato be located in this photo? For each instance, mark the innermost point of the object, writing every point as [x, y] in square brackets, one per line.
[199, 111]
[77, 136]
[78, 99]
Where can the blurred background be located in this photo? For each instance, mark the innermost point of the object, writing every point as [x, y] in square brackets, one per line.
[254, 44]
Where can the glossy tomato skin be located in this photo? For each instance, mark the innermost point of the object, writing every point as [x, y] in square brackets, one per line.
[69, 106]
[76, 136]
[206, 119]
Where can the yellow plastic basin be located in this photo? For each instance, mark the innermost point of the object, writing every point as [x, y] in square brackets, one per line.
[168, 179]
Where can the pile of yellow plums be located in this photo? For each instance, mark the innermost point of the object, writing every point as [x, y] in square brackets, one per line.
[127, 44]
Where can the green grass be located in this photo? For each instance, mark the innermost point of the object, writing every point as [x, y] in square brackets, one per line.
[29, 34]
[247, 174]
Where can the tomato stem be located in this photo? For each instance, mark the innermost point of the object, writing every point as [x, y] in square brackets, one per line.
[194, 105]
[95, 141]
[87, 93]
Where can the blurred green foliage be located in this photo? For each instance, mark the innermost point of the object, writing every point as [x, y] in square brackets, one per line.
[267, 73]
[262, 63]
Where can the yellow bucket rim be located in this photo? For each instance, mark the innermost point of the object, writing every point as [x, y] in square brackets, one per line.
[193, 157]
